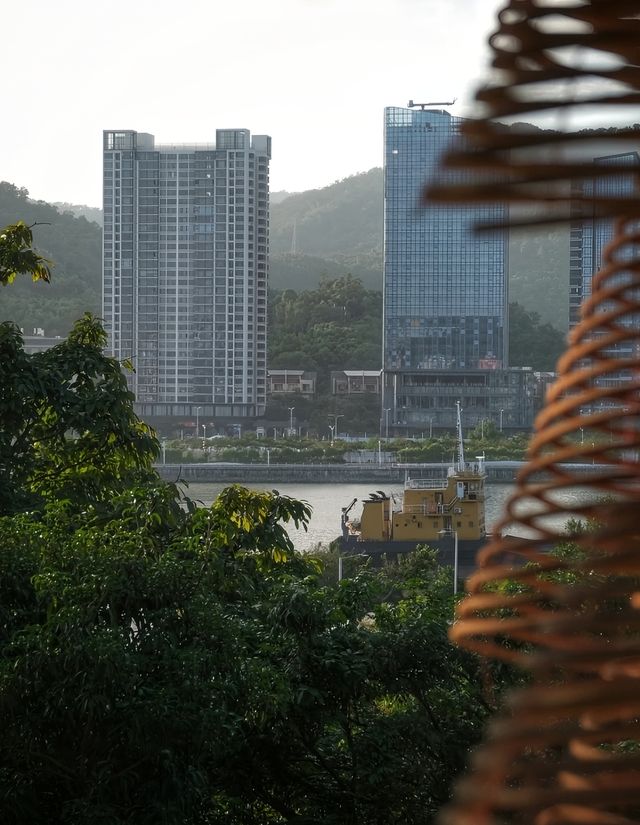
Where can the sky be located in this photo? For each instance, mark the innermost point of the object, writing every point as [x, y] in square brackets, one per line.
[314, 74]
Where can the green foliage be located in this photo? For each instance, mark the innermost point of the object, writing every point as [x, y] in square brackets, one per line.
[337, 326]
[301, 272]
[17, 256]
[67, 426]
[75, 246]
[197, 677]
[531, 342]
[169, 664]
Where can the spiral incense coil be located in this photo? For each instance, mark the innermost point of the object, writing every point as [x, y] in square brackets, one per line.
[561, 59]
[563, 602]
[568, 748]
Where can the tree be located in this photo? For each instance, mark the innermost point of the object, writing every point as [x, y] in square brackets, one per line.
[531, 342]
[67, 425]
[202, 675]
[172, 664]
[336, 326]
[17, 256]
[75, 246]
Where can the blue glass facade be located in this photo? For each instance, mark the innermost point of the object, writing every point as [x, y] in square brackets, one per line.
[445, 291]
[445, 288]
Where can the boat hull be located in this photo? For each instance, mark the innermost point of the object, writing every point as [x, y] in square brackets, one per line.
[444, 547]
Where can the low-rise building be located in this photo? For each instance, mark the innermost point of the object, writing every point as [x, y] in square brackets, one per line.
[288, 382]
[423, 401]
[353, 382]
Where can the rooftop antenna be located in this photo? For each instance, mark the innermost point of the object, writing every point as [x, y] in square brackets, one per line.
[423, 106]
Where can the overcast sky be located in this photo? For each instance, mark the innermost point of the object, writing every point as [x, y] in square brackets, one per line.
[314, 74]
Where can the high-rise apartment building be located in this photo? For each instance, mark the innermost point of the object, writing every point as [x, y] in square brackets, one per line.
[445, 291]
[587, 243]
[185, 264]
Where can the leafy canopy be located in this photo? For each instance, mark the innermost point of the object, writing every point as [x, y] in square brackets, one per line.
[17, 256]
[169, 664]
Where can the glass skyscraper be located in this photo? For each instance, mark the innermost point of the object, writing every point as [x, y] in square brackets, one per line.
[185, 263]
[445, 287]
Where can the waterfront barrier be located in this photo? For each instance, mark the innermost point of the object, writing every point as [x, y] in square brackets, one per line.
[498, 472]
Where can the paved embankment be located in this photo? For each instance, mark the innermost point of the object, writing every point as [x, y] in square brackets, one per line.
[497, 471]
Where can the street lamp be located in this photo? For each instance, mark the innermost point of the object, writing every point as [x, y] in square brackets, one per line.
[164, 450]
[455, 556]
[501, 414]
[335, 423]
[198, 420]
[204, 430]
[332, 428]
[386, 423]
[431, 428]
[291, 409]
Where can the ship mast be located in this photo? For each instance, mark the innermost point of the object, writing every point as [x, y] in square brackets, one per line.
[461, 464]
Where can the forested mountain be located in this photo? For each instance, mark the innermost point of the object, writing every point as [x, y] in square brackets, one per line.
[280, 195]
[334, 231]
[344, 218]
[74, 246]
[91, 213]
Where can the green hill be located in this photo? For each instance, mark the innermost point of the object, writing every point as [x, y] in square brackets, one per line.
[331, 231]
[74, 244]
[91, 213]
[344, 218]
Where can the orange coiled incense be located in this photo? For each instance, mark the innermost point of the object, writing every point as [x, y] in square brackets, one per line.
[564, 603]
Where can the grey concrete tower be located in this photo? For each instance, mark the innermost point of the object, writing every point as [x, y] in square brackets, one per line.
[185, 268]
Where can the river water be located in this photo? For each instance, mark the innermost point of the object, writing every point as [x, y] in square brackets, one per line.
[327, 501]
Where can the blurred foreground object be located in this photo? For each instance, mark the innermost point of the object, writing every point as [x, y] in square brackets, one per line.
[563, 604]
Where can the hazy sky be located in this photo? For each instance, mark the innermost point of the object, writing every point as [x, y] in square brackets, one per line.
[314, 74]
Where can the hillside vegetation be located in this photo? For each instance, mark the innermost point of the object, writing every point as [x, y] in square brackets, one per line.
[74, 244]
[333, 231]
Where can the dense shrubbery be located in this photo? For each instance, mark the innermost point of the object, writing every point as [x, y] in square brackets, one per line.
[161, 663]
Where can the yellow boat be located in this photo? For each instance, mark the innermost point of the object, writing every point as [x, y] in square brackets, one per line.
[441, 513]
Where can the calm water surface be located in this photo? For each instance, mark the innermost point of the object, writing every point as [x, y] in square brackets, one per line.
[327, 500]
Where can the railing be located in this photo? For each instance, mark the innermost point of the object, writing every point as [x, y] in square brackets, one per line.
[426, 484]
[430, 508]
[420, 509]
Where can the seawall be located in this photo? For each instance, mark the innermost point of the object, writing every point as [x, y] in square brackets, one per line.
[497, 471]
